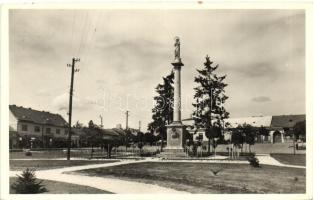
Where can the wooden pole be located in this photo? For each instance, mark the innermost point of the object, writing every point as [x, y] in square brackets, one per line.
[69, 142]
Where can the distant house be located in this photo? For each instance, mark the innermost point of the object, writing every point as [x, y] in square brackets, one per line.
[85, 137]
[31, 128]
[280, 127]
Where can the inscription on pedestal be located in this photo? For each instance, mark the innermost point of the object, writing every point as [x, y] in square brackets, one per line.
[174, 133]
[175, 137]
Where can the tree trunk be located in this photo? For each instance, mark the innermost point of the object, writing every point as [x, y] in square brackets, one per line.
[109, 153]
[294, 144]
[249, 148]
[209, 147]
[91, 152]
[242, 147]
[162, 142]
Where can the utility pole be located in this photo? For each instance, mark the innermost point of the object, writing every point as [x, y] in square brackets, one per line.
[101, 118]
[69, 142]
[139, 125]
[127, 114]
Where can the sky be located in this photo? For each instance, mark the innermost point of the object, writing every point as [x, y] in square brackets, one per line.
[125, 53]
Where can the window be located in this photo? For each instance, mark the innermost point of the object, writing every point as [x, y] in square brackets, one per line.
[24, 127]
[37, 129]
[48, 130]
[58, 131]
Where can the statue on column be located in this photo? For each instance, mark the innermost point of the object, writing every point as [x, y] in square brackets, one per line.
[177, 49]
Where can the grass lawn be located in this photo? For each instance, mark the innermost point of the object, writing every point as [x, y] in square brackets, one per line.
[16, 165]
[198, 177]
[55, 187]
[290, 159]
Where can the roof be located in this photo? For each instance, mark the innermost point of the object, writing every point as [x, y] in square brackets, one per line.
[278, 121]
[286, 121]
[106, 134]
[253, 121]
[121, 132]
[78, 131]
[35, 116]
[12, 129]
[234, 122]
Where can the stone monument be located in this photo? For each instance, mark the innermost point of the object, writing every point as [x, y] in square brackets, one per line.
[176, 130]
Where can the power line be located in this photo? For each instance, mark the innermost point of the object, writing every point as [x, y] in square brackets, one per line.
[73, 25]
[83, 33]
[93, 30]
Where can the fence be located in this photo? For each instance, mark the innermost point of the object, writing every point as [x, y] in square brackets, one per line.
[86, 153]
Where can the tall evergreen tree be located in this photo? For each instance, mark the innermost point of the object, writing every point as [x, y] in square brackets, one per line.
[210, 98]
[162, 113]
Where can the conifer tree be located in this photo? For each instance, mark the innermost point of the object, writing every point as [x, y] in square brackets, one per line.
[162, 113]
[27, 183]
[209, 98]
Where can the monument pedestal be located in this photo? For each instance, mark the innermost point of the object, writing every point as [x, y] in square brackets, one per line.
[176, 140]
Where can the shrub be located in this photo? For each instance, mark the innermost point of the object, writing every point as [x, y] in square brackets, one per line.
[28, 153]
[253, 161]
[27, 183]
[149, 154]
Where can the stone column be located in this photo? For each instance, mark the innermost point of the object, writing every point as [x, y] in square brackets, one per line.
[176, 130]
[177, 92]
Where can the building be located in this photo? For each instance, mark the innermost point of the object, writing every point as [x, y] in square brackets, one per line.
[280, 127]
[31, 128]
[85, 136]
[283, 125]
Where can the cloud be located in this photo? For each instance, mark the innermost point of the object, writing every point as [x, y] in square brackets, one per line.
[261, 99]
[126, 52]
[61, 103]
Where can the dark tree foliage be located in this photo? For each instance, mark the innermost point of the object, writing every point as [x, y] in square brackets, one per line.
[140, 137]
[149, 138]
[210, 98]
[96, 137]
[263, 131]
[27, 183]
[91, 124]
[78, 125]
[129, 138]
[249, 133]
[162, 113]
[237, 137]
[300, 129]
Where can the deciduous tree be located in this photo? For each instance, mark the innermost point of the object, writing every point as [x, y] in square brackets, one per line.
[300, 129]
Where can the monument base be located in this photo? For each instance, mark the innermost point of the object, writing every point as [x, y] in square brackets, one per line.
[170, 154]
[175, 141]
